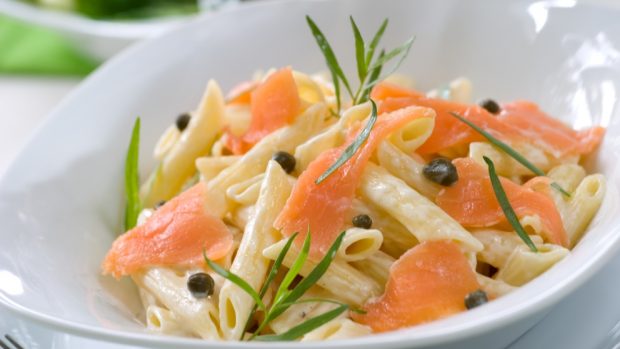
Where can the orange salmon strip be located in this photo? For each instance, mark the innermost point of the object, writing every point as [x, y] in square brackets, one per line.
[471, 201]
[274, 104]
[518, 122]
[242, 93]
[175, 234]
[324, 208]
[428, 282]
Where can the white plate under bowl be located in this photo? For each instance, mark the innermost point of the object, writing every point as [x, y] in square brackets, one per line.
[61, 200]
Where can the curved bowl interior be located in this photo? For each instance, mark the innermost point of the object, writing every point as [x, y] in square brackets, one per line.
[61, 202]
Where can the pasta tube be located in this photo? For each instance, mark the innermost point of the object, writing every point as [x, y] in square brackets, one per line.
[178, 164]
[249, 262]
[255, 161]
[341, 279]
[421, 217]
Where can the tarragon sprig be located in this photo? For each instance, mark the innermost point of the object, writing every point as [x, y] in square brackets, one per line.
[510, 151]
[368, 68]
[509, 212]
[286, 297]
[353, 147]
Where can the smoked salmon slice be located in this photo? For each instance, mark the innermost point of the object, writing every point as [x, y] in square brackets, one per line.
[175, 234]
[273, 104]
[428, 282]
[518, 122]
[242, 93]
[323, 208]
[471, 201]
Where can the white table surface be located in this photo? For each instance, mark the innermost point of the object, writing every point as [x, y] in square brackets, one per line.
[587, 319]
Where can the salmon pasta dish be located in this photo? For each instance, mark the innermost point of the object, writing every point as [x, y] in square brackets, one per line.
[304, 207]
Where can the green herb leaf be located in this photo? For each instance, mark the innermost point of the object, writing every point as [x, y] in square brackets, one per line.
[508, 150]
[359, 51]
[353, 147]
[235, 279]
[132, 179]
[402, 49]
[328, 53]
[311, 279]
[375, 42]
[294, 269]
[325, 300]
[510, 214]
[374, 75]
[277, 264]
[336, 92]
[304, 285]
[306, 326]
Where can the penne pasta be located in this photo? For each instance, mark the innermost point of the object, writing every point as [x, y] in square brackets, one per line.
[523, 265]
[341, 279]
[406, 168]
[178, 163]
[246, 192]
[255, 161]
[422, 218]
[331, 137]
[249, 262]
[377, 266]
[199, 316]
[411, 136]
[498, 245]
[211, 166]
[583, 205]
[359, 244]
[507, 166]
[302, 311]
[337, 329]
[163, 321]
[396, 238]
[494, 288]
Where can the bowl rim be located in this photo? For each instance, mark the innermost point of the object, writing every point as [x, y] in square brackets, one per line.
[545, 299]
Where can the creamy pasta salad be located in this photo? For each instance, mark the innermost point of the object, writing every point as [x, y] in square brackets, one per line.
[298, 207]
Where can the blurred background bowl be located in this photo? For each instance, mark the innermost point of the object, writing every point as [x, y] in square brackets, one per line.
[100, 38]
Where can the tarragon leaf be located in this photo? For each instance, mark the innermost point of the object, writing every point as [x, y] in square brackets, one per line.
[510, 214]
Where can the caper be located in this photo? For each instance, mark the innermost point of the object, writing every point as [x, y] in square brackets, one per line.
[183, 121]
[286, 160]
[491, 106]
[476, 299]
[441, 171]
[362, 221]
[201, 285]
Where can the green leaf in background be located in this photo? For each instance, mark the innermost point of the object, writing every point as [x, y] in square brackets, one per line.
[27, 49]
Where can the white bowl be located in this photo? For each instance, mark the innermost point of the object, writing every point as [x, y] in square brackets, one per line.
[61, 202]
